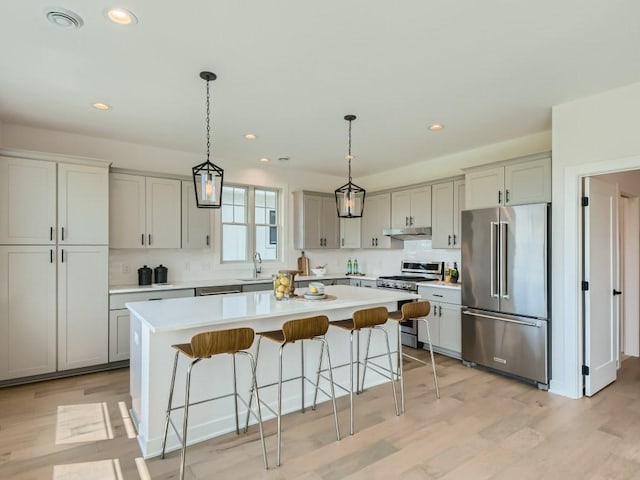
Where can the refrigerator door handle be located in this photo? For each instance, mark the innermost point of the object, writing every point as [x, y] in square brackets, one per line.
[493, 271]
[536, 324]
[504, 292]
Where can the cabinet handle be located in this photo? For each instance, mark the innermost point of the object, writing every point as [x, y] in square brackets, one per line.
[373, 242]
[506, 196]
[149, 243]
[410, 220]
[376, 241]
[454, 239]
[50, 233]
[62, 228]
[406, 221]
[499, 197]
[449, 241]
[62, 255]
[142, 239]
[51, 256]
[437, 295]
[207, 240]
[440, 310]
[343, 241]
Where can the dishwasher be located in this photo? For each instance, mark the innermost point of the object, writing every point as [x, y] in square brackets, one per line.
[219, 290]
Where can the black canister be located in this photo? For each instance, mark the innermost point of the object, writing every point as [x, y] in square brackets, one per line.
[160, 274]
[144, 275]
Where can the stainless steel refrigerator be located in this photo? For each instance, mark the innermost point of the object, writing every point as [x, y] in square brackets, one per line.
[505, 290]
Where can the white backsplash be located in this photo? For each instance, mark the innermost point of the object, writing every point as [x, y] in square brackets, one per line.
[186, 265]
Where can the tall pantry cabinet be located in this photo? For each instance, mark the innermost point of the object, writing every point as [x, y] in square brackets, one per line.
[53, 263]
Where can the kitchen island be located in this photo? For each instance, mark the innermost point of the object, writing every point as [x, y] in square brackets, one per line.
[156, 325]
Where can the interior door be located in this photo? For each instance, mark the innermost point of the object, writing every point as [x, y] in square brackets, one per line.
[601, 271]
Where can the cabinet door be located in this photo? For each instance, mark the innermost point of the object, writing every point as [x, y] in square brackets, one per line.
[119, 335]
[310, 229]
[196, 222]
[27, 201]
[400, 208]
[528, 182]
[350, 229]
[163, 212]
[83, 306]
[27, 311]
[484, 188]
[376, 217]
[330, 223]
[420, 212]
[127, 211]
[443, 216]
[458, 206]
[83, 205]
[450, 327]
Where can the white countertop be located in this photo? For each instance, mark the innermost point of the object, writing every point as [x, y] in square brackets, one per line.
[440, 284]
[193, 312]
[115, 289]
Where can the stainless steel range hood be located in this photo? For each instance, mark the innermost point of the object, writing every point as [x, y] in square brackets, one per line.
[408, 233]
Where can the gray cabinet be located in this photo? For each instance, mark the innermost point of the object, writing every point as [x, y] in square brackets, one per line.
[376, 218]
[447, 202]
[411, 208]
[445, 323]
[196, 222]
[316, 222]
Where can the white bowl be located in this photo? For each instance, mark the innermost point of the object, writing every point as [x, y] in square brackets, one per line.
[319, 271]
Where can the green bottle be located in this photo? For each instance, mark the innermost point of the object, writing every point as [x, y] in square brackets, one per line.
[349, 267]
[355, 267]
[454, 273]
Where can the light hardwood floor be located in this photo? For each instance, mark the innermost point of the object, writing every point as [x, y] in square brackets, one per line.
[485, 426]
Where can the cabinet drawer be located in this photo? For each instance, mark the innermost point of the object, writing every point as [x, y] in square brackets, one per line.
[438, 294]
[119, 300]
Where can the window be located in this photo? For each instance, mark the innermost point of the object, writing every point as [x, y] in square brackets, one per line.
[249, 223]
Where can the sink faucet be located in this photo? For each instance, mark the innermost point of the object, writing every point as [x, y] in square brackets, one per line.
[257, 264]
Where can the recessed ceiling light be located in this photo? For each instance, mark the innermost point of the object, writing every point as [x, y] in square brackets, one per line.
[250, 136]
[61, 17]
[101, 106]
[436, 127]
[121, 16]
[265, 160]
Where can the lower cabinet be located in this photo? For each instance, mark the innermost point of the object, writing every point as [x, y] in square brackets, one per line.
[83, 296]
[444, 320]
[361, 282]
[119, 334]
[27, 311]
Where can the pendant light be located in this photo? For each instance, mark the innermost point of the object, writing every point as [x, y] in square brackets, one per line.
[207, 177]
[350, 197]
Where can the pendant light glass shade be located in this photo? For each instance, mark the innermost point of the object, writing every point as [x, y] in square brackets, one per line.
[350, 197]
[207, 177]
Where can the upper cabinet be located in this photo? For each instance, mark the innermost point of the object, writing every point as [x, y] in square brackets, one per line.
[196, 222]
[316, 222]
[350, 232]
[518, 182]
[83, 205]
[144, 212]
[411, 208]
[27, 201]
[32, 188]
[376, 218]
[448, 201]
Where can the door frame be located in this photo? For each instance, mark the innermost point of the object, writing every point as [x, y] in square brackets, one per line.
[567, 333]
[629, 278]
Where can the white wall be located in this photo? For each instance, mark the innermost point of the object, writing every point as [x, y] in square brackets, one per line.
[592, 135]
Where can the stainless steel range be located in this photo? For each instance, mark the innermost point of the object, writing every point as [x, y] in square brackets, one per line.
[412, 274]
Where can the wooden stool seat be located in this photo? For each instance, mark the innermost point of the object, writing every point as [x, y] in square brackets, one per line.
[203, 346]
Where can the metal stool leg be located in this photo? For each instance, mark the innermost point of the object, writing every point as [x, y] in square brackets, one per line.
[315, 394]
[253, 387]
[279, 406]
[185, 422]
[333, 392]
[393, 382]
[366, 359]
[351, 382]
[166, 423]
[400, 367]
[302, 374]
[433, 362]
[235, 393]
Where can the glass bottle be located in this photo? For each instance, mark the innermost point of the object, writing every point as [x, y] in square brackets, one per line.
[349, 267]
[356, 269]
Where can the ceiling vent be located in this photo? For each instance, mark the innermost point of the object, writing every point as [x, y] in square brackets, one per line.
[63, 18]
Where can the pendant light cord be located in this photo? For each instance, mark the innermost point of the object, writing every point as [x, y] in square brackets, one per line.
[349, 155]
[208, 123]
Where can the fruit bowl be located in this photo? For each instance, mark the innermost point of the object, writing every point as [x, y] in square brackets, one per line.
[319, 271]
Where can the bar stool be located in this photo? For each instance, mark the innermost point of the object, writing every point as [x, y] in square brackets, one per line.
[413, 311]
[203, 346]
[367, 319]
[312, 328]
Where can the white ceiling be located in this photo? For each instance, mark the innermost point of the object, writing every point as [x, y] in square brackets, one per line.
[289, 70]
